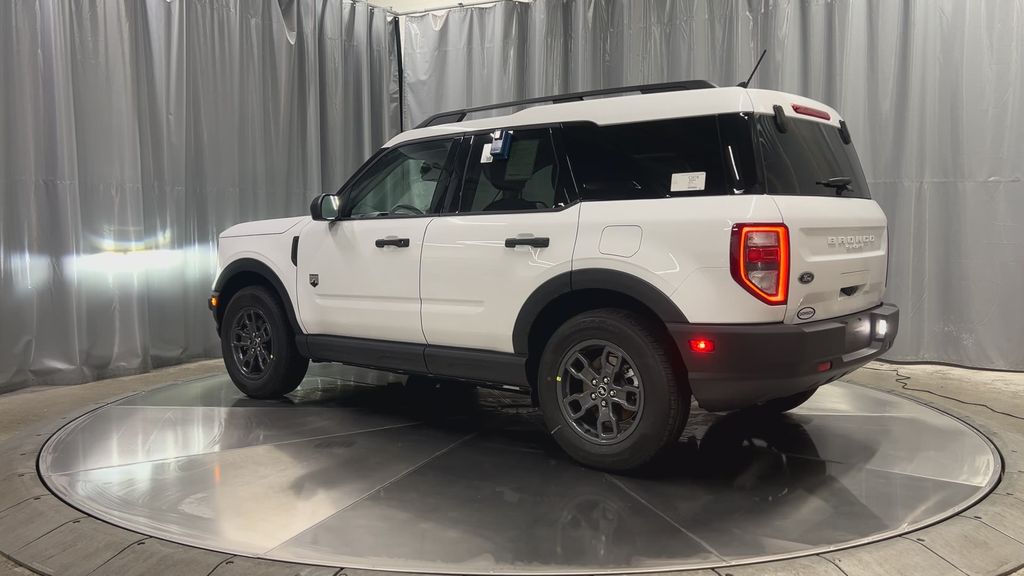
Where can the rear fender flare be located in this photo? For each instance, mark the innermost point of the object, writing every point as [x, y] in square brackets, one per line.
[591, 278]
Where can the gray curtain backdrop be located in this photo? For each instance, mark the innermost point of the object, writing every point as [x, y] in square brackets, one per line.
[133, 132]
[933, 92]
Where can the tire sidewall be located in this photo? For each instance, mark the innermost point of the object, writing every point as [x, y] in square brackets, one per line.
[655, 381]
[283, 346]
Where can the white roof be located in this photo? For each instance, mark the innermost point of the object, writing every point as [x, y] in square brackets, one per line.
[633, 108]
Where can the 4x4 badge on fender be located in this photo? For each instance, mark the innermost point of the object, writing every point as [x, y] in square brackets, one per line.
[314, 280]
[806, 277]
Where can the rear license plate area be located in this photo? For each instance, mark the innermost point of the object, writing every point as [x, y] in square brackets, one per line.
[858, 332]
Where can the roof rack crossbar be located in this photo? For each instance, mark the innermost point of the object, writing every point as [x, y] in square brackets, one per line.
[460, 114]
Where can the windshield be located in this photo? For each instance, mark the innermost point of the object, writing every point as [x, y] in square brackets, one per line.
[810, 159]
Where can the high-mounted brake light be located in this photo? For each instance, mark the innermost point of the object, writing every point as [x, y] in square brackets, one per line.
[759, 260]
[808, 111]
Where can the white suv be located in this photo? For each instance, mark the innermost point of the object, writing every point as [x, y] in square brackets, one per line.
[611, 256]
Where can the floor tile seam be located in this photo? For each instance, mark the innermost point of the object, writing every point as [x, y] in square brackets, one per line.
[982, 522]
[799, 412]
[927, 477]
[19, 563]
[398, 477]
[33, 497]
[665, 517]
[50, 531]
[227, 450]
[933, 552]
[115, 405]
[834, 563]
[236, 557]
[887, 470]
[230, 558]
[119, 552]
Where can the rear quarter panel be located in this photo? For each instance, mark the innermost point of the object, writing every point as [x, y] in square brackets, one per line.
[683, 251]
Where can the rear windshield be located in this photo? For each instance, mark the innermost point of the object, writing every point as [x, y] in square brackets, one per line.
[809, 152]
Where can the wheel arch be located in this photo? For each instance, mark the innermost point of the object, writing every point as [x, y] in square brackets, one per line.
[251, 272]
[572, 293]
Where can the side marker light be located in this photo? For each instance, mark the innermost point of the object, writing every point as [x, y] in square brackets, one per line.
[702, 345]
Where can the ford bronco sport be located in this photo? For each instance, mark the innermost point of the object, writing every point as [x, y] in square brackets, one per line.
[611, 256]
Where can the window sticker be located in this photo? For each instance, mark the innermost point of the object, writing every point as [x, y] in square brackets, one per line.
[486, 157]
[687, 181]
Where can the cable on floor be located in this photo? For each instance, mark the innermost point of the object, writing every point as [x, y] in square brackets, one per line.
[904, 381]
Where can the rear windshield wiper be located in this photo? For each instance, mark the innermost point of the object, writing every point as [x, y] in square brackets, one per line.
[839, 183]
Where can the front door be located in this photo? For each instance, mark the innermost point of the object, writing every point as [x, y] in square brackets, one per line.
[515, 228]
[359, 275]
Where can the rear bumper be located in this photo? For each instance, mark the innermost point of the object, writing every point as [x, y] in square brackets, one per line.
[755, 363]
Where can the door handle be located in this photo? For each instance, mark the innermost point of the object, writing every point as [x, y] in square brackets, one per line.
[536, 242]
[396, 242]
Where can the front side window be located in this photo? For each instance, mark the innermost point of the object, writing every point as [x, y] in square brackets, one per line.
[408, 180]
[527, 179]
[660, 159]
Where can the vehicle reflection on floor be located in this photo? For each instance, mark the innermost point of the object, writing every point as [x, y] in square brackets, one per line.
[365, 469]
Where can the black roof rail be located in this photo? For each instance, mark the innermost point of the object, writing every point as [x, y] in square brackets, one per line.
[460, 115]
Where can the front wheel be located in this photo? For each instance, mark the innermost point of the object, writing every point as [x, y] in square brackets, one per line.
[611, 394]
[258, 345]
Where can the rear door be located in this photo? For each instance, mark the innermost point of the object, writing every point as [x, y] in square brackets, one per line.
[837, 233]
[512, 226]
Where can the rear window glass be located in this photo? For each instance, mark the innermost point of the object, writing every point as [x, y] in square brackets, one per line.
[808, 153]
[662, 159]
[528, 179]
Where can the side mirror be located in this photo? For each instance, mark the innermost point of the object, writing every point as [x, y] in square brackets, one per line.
[325, 207]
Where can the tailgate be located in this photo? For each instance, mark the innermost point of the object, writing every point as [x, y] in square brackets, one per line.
[838, 255]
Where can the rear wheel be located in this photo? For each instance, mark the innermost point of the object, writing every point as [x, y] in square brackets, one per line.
[611, 394]
[787, 403]
[258, 345]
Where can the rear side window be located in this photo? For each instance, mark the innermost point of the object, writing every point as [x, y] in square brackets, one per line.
[528, 179]
[809, 153]
[662, 159]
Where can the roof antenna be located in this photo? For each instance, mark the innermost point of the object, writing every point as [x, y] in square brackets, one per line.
[756, 66]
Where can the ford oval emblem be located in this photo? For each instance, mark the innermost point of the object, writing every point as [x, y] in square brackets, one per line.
[807, 278]
[805, 313]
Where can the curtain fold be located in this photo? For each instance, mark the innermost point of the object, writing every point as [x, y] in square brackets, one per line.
[132, 133]
[933, 93]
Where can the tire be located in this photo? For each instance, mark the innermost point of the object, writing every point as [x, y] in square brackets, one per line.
[274, 366]
[787, 403]
[649, 409]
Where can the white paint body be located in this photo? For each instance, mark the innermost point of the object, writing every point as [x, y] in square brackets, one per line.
[458, 285]
[473, 286]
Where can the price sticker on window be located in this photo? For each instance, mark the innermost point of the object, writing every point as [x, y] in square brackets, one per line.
[688, 181]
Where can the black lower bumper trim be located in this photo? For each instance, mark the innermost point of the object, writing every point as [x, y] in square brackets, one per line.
[752, 364]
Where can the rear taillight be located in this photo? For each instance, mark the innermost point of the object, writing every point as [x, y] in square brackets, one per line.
[760, 260]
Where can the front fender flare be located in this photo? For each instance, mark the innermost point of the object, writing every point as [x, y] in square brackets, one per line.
[251, 265]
